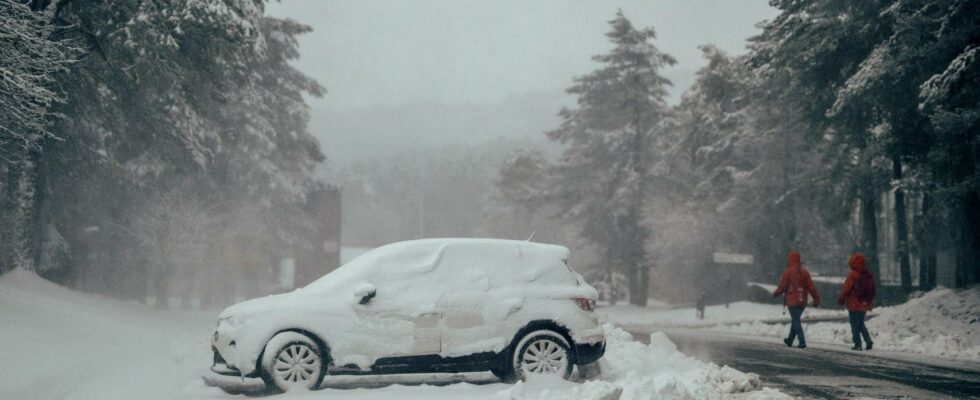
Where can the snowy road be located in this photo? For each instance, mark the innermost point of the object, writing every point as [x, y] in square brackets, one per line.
[825, 374]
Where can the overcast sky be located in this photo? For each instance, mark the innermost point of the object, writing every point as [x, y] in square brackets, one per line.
[393, 52]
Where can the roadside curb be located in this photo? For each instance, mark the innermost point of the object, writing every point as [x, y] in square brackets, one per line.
[890, 355]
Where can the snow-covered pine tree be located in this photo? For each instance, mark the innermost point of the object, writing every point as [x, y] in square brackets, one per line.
[601, 178]
[805, 55]
[196, 96]
[29, 62]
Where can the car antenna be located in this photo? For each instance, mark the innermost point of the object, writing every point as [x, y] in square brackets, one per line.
[532, 236]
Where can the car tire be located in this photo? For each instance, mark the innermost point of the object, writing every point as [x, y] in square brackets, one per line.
[292, 361]
[541, 351]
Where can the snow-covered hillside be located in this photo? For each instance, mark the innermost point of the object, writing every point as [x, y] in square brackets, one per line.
[76, 346]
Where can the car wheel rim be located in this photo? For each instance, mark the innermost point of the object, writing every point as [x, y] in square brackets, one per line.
[297, 365]
[544, 357]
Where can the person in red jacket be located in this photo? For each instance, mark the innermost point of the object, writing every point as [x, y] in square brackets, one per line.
[858, 296]
[795, 283]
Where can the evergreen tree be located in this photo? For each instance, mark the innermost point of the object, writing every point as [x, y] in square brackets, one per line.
[805, 55]
[602, 176]
[30, 62]
[189, 98]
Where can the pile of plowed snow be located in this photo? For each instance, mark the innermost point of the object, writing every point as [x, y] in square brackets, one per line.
[942, 322]
[61, 344]
[632, 370]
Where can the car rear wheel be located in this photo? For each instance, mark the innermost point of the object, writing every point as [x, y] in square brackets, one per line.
[292, 361]
[542, 352]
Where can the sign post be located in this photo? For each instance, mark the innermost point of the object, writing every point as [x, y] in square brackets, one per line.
[731, 258]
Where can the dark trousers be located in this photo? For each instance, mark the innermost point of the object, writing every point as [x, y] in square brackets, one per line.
[796, 327]
[857, 327]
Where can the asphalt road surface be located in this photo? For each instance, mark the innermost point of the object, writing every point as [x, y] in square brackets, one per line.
[826, 374]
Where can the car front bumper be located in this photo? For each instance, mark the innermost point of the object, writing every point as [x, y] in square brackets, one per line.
[221, 367]
[586, 353]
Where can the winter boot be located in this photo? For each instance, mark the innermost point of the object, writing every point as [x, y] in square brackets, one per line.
[869, 346]
[856, 347]
[789, 343]
[802, 346]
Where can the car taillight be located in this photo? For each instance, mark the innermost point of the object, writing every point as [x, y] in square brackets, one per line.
[586, 304]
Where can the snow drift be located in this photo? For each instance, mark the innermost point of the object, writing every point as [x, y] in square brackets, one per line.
[942, 322]
[77, 346]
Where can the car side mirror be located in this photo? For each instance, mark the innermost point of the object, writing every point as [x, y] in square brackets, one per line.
[364, 293]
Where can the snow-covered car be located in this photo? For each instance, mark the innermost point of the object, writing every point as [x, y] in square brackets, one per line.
[432, 305]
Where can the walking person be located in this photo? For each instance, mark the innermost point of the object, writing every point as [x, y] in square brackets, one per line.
[858, 296]
[796, 284]
[701, 304]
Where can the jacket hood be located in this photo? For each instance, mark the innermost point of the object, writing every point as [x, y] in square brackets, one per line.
[793, 259]
[857, 262]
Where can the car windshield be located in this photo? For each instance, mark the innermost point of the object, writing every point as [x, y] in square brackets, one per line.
[389, 261]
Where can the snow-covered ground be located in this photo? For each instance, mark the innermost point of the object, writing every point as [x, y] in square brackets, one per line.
[61, 344]
[662, 315]
[942, 323]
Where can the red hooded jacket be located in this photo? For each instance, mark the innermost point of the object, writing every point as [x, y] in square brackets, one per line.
[848, 295]
[796, 283]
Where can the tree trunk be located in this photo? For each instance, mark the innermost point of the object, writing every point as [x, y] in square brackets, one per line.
[968, 267]
[927, 254]
[902, 249]
[869, 227]
[637, 235]
[20, 203]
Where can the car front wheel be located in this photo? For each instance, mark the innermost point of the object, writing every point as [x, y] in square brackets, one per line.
[542, 352]
[292, 361]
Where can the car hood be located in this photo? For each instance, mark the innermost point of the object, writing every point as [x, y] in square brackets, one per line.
[295, 300]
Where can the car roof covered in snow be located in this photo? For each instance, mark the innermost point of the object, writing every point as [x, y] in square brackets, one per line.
[503, 244]
[413, 257]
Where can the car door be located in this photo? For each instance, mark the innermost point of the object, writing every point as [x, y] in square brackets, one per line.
[463, 302]
[400, 319]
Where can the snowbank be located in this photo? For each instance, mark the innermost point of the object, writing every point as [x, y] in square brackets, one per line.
[942, 323]
[76, 346]
[631, 371]
[735, 313]
[61, 344]
[659, 371]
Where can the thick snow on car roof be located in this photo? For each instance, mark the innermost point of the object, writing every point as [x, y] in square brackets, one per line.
[412, 257]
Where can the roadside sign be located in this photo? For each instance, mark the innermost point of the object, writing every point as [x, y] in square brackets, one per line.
[733, 258]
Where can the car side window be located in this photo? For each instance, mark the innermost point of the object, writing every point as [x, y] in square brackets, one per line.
[465, 268]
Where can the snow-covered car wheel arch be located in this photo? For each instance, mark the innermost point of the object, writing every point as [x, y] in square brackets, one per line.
[504, 368]
[563, 350]
[281, 339]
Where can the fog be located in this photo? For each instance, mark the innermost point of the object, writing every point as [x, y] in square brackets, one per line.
[154, 151]
[421, 87]
[423, 73]
[174, 174]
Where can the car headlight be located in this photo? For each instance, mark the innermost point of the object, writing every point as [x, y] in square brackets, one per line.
[230, 323]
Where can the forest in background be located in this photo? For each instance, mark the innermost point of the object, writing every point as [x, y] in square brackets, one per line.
[153, 148]
[160, 147]
[848, 126]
